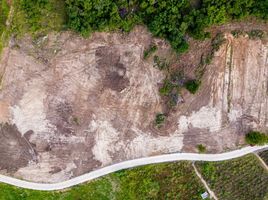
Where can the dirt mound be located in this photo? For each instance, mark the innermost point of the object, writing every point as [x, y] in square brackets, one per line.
[79, 104]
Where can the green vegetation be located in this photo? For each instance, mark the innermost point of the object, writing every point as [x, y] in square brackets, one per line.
[206, 59]
[217, 41]
[38, 17]
[253, 34]
[201, 148]
[76, 120]
[161, 64]
[161, 181]
[147, 53]
[4, 10]
[256, 138]
[160, 119]
[256, 34]
[237, 33]
[167, 88]
[171, 20]
[192, 86]
[264, 156]
[170, 89]
[240, 179]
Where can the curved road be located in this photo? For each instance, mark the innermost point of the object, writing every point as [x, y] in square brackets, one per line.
[129, 164]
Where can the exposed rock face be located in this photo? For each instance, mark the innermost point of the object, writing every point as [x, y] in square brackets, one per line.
[74, 105]
[235, 90]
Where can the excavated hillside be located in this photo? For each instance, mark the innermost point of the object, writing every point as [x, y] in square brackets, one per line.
[69, 105]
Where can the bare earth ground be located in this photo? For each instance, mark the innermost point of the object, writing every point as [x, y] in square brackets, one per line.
[70, 105]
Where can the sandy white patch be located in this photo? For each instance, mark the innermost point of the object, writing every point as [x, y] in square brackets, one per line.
[105, 139]
[206, 118]
[29, 114]
[146, 145]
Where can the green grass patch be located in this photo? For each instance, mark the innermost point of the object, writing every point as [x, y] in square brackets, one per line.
[162, 181]
[240, 179]
[38, 17]
[4, 11]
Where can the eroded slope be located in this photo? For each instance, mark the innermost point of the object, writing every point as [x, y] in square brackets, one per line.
[69, 105]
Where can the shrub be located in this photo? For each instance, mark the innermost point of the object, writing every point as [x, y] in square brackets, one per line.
[237, 33]
[201, 148]
[167, 88]
[160, 119]
[192, 86]
[256, 138]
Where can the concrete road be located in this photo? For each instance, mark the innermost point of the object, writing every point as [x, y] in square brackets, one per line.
[129, 164]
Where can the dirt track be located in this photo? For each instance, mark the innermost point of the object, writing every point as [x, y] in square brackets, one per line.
[80, 104]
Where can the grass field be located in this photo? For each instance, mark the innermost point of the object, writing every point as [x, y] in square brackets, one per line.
[161, 181]
[38, 17]
[239, 179]
[264, 156]
[4, 10]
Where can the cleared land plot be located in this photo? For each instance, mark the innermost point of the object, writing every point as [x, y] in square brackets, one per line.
[241, 179]
[264, 156]
[161, 181]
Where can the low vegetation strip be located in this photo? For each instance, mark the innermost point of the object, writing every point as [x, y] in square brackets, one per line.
[241, 179]
[4, 10]
[162, 181]
[264, 156]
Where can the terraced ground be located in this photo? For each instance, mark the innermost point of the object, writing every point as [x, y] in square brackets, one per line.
[162, 181]
[264, 156]
[240, 179]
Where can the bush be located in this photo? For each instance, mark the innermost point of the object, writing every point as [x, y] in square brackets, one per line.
[192, 86]
[201, 148]
[256, 138]
[237, 33]
[167, 88]
[160, 119]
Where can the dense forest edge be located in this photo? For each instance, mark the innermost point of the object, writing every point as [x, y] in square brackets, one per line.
[172, 20]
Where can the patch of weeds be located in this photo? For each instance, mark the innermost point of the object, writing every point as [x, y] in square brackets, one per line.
[217, 41]
[147, 53]
[237, 33]
[192, 86]
[4, 11]
[76, 120]
[167, 88]
[255, 34]
[38, 17]
[177, 78]
[160, 119]
[161, 64]
[201, 148]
